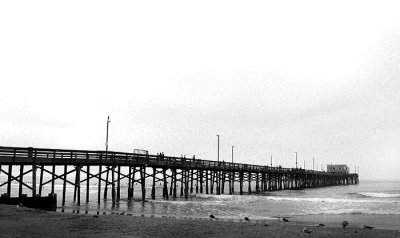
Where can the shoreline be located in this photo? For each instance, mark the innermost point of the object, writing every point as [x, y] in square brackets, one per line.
[24, 222]
[378, 221]
[383, 222]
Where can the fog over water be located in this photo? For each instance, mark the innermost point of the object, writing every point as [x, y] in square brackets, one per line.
[271, 78]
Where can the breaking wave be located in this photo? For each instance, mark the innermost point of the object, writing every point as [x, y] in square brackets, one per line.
[380, 195]
[328, 200]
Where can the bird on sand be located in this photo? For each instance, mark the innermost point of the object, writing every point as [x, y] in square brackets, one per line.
[247, 219]
[368, 227]
[345, 223]
[212, 216]
[305, 230]
[284, 219]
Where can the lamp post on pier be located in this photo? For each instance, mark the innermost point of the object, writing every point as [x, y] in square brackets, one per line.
[271, 161]
[108, 168]
[232, 152]
[218, 149]
[218, 172]
[296, 159]
[108, 122]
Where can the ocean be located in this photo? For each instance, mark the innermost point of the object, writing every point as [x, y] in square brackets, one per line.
[369, 197]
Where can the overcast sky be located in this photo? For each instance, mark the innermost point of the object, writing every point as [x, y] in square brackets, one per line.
[320, 78]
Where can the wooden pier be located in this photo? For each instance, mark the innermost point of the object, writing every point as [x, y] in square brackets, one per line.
[108, 169]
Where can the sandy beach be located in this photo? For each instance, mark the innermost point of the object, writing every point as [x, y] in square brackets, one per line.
[26, 222]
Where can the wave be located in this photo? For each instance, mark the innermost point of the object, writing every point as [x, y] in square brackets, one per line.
[354, 212]
[328, 200]
[380, 195]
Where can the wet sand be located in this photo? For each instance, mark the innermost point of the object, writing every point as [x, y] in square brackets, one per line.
[26, 222]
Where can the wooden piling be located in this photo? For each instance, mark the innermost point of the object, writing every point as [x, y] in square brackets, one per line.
[41, 179]
[143, 182]
[9, 181]
[257, 183]
[119, 183]
[249, 178]
[53, 173]
[153, 188]
[64, 186]
[191, 180]
[129, 182]
[223, 182]
[99, 185]
[206, 177]
[233, 182]
[218, 178]
[182, 181]
[34, 180]
[75, 187]
[263, 182]
[78, 184]
[165, 185]
[212, 173]
[197, 181]
[21, 178]
[172, 182]
[133, 181]
[201, 181]
[241, 182]
[87, 183]
[187, 183]
[113, 195]
[106, 183]
[230, 183]
[174, 194]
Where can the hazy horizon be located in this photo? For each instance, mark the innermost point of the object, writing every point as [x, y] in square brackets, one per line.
[271, 78]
